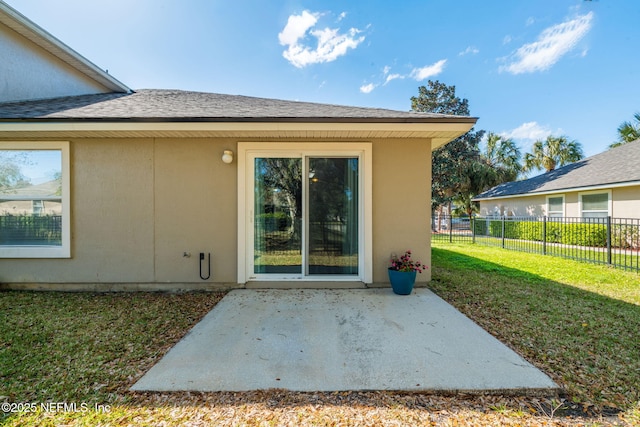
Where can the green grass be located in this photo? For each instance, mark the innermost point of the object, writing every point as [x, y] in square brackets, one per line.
[578, 322]
[83, 347]
[625, 259]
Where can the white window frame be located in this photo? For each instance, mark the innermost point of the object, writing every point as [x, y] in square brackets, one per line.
[554, 196]
[44, 251]
[609, 202]
[247, 150]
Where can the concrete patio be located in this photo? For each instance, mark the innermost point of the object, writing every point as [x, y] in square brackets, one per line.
[347, 339]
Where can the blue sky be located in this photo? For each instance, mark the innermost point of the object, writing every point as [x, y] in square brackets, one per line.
[528, 68]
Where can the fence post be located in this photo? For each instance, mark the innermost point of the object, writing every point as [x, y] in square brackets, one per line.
[609, 240]
[503, 226]
[544, 235]
[450, 229]
[473, 229]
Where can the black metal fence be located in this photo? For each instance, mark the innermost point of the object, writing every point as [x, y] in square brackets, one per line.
[281, 237]
[606, 240]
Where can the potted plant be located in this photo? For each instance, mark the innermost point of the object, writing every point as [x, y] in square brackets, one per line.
[402, 273]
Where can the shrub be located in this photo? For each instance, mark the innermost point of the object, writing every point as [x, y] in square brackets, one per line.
[625, 236]
[580, 234]
[30, 229]
[274, 221]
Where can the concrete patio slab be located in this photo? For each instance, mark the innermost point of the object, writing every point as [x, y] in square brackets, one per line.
[331, 340]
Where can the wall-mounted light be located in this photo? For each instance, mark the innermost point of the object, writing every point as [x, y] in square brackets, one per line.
[227, 156]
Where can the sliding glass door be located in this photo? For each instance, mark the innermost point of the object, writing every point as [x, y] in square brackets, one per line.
[305, 217]
[332, 216]
[277, 223]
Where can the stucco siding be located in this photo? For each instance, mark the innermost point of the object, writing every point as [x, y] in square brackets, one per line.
[195, 210]
[524, 206]
[29, 72]
[401, 203]
[626, 202]
[111, 218]
[138, 205]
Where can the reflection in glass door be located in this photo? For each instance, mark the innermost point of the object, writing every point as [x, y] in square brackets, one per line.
[333, 216]
[278, 215]
[306, 227]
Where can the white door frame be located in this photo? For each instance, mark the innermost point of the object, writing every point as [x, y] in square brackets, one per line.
[249, 150]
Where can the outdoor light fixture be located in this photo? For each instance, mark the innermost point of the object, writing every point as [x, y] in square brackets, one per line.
[227, 156]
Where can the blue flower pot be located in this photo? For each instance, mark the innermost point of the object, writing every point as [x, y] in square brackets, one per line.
[402, 281]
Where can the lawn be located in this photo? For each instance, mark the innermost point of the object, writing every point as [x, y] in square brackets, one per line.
[580, 323]
[69, 358]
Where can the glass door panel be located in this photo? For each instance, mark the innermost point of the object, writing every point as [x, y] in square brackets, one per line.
[278, 216]
[332, 214]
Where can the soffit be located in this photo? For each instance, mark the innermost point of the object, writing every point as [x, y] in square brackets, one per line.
[438, 133]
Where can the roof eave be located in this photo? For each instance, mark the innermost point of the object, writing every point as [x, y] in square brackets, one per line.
[561, 191]
[440, 132]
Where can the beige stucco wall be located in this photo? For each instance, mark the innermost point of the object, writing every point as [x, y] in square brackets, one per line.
[401, 204]
[195, 210]
[139, 204]
[626, 202]
[523, 206]
[29, 72]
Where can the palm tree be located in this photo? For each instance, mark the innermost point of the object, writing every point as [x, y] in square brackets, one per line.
[628, 131]
[504, 156]
[551, 153]
[477, 175]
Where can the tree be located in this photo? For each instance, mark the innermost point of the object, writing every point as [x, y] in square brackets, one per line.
[447, 161]
[628, 132]
[551, 153]
[11, 176]
[504, 156]
[282, 177]
[439, 98]
[477, 176]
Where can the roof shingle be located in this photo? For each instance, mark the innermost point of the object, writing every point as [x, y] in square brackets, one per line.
[615, 166]
[177, 105]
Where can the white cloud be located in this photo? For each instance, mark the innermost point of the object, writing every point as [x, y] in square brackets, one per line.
[469, 50]
[530, 21]
[529, 132]
[507, 39]
[420, 74]
[297, 26]
[331, 44]
[391, 77]
[367, 88]
[552, 44]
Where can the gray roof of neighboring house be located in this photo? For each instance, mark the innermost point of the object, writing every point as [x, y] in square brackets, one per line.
[49, 188]
[178, 105]
[615, 166]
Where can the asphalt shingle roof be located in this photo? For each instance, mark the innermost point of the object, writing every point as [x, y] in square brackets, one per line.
[177, 105]
[615, 166]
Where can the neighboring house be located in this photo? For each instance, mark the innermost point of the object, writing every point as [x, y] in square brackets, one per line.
[153, 182]
[607, 184]
[40, 199]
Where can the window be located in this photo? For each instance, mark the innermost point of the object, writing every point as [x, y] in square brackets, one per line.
[595, 205]
[34, 200]
[555, 206]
